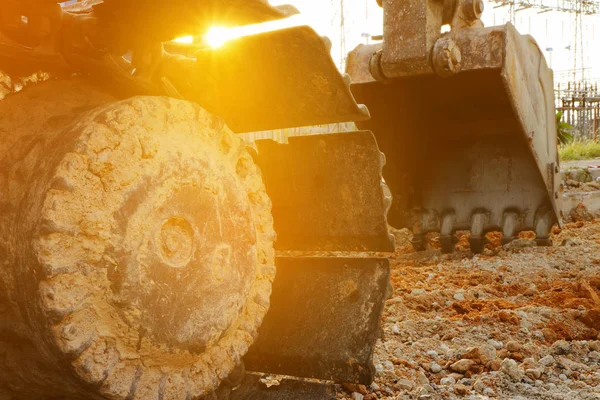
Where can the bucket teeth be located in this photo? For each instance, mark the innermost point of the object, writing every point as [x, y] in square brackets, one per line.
[447, 243]
[428, 222]
[510, 226]
[478, 225]
[477, 244]
[544, 219]
[510, 222]
[545, 242]
[418, 241]
[447, 238]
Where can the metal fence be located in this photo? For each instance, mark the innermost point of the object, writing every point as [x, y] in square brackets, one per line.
[580, 104]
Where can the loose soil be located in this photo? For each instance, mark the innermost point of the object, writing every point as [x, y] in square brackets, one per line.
[516, 322]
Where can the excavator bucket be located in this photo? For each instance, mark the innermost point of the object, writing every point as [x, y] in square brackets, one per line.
[471, 145]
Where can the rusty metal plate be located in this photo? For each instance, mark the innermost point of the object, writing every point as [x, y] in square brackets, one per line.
[288, 389]
[530, 86]
[327, 192]
[324, 319]
[269, 81]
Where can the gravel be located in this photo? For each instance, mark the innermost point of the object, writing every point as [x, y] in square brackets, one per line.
[510, 368]
[547, 361]
[516, 322]
[462, 366]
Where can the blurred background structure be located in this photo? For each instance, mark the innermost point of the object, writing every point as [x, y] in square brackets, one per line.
[567, 31]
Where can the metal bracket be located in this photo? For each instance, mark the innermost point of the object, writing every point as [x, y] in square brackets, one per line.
[324, 319]
[327, 192]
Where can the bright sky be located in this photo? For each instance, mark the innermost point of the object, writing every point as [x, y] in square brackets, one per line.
[320, 12]
[552, 30]
[361, 16]
[556, 34]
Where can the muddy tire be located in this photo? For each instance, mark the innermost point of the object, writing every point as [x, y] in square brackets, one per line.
[147, 250]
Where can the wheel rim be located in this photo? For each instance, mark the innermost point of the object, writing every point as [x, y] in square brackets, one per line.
[155, 244]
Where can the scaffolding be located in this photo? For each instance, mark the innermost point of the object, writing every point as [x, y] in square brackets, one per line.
[585, 7]
[580, 104]
[577, 97]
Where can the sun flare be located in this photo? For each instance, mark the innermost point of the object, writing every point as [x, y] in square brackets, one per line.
[218, 36]
[184, 40]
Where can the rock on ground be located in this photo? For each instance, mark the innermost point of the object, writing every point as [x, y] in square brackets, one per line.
[525, 324]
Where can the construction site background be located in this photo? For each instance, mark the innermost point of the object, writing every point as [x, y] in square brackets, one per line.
[568, 32]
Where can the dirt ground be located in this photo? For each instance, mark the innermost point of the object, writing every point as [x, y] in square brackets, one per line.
[516, 322]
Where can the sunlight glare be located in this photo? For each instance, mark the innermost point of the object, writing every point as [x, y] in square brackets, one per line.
[184, 40]
[218, 36]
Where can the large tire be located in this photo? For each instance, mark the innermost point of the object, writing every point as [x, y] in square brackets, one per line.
[145, 254]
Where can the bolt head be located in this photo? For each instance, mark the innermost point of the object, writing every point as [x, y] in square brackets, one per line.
[447, 57]
[473, 9]
[479, 6]
[455, 56]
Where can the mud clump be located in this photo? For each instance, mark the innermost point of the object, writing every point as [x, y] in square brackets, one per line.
[580, 213]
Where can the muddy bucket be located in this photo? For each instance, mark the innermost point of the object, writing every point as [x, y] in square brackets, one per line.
[476, 151]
